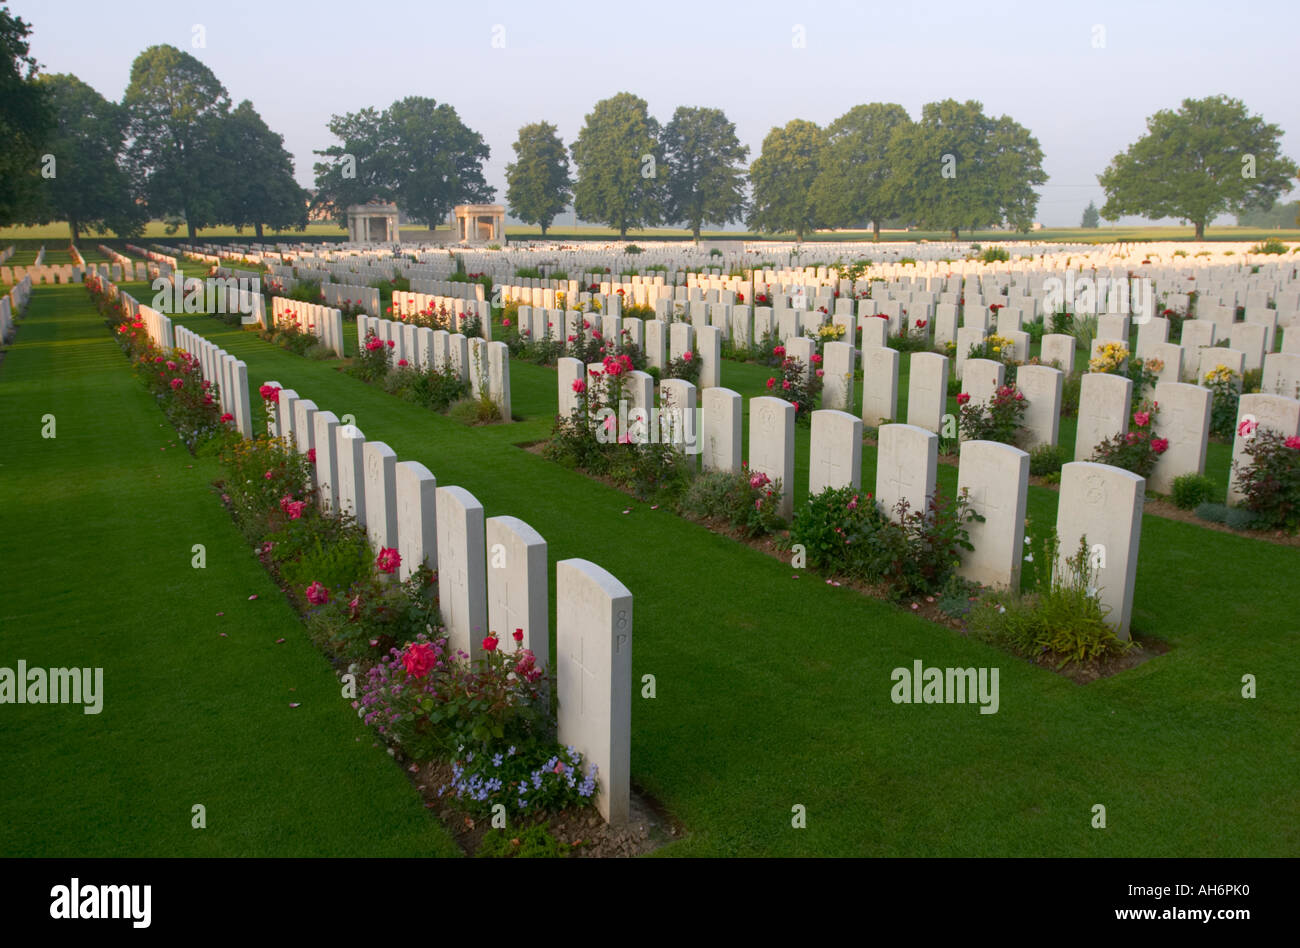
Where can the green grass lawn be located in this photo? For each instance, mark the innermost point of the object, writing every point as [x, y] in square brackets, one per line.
[97, 527]
[774, 690]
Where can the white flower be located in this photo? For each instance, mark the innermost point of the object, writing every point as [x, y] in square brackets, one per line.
[1002, 609]
[1029, 557]
[1026, 541]
[1092, 590]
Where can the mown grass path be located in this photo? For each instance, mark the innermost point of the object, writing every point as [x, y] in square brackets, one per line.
[97, 527]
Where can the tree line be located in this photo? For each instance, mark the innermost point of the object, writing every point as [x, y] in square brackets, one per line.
[175, 148]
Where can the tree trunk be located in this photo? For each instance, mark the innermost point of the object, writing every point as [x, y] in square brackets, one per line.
[875, 230]
[622, 232]
[544, 226]
[1200, 230]
[75, 228]
[189, 226]
[259, 230]
[695, 232]
[954, 233]
[798, 234]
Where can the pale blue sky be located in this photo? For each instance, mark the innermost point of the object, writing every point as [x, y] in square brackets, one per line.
[300, 63]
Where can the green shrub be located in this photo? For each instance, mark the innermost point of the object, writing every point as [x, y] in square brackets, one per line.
[1269, 477]
[1212, 512]
[535, 842]
[1070, 389]
[1271, 245]
[1066, 622]
[1047, 459]
[995, 255]
[748, 502]
[1239, 518]
[1191, 490]
[911, 552]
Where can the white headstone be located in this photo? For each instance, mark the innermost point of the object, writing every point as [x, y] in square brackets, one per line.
[1103, 411]
[1103, 504]
[381, 495]
[417, 517]
[593, 632]
[907, 463]
[721, 423]
[997, 479]
[462, 570]
[835, 455]
[516, 586]
[771, 445]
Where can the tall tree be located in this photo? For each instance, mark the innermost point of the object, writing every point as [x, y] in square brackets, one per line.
[538, 186]
[853, 184]
[259, 186]
[706, 168]
[416, 153]
[88, 187]
[618, 156]
[175, 104]
[25, 122]
[783, 176]
[959, 169]
[1208, 157]
[1091, 216]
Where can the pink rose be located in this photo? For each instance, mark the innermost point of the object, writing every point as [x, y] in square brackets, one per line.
[1141, 418]
[388, 560]
[1247, 427]
[419, 659]
[1159, 445]
[317, 594]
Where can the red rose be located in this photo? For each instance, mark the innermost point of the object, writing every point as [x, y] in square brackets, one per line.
[963, 398]
[519, 635]
[419, 659]
[490, 643]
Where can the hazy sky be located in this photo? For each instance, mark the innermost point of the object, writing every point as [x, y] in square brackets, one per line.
[300, 63]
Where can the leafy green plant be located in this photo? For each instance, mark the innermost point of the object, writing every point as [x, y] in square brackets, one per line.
[749, 502]
[1191, 490]
[1269, 477]
[1047, 459]
[1064, 624]
[999, 419]
[533, 842]
[1137, 450]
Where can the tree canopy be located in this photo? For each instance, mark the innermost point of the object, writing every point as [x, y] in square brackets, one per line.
[416, 153]
[88, 187]
[538, 186]
[1208, 157]
[259, 187]
[706, 172]
[853, 185]
[959, 169]
[782, 177]
[618, 154]
[174, 105]
[25, 122]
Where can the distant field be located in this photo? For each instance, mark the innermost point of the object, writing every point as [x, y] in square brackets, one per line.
[56, 235]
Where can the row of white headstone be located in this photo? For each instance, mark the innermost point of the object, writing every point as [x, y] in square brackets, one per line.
[228, 374]
[12, 305]
[492, 577]
[342, 294]
[410, 303]
[324, 322]
[483, 365]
